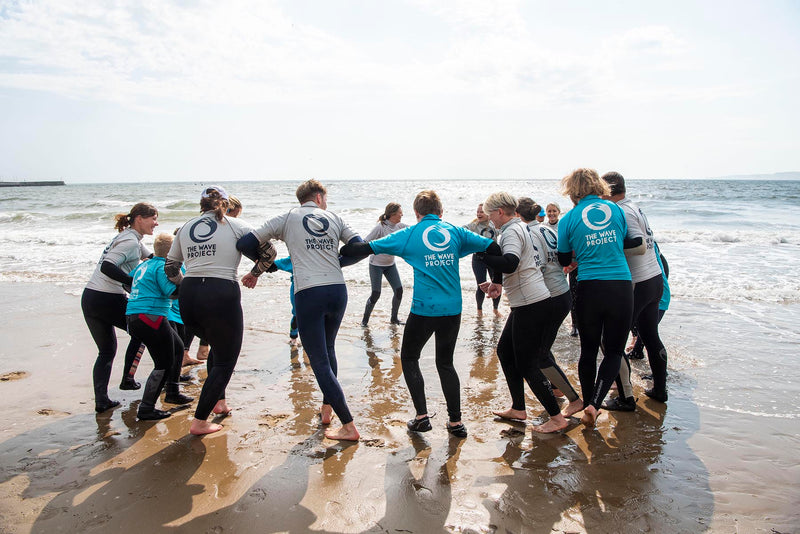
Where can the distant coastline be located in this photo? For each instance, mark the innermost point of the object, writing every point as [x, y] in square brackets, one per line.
[32, 184]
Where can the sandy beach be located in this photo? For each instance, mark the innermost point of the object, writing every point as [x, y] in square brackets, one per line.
[675, 468]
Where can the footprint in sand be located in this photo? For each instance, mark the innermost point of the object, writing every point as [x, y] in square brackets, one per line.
[13, 375]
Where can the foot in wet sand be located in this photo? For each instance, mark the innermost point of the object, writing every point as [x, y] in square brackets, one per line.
[480, 312]
[558, 393]
[188, 360]
[511, 414]
[102, 406]
[556, 423]
[326, 413]
[221, 408]
[202, 352]
[497, 313]
[347, 432]
[200, 427]
[590, 415]
[573, 408]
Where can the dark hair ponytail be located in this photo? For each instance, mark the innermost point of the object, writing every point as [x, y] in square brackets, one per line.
[214, 202]
[391, 209]
[142, 209]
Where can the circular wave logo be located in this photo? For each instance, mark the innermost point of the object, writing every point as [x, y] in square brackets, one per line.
[444, 237]
[488, 232]
[549, 238]
[316, 225]
[203, 230]
[597, 216]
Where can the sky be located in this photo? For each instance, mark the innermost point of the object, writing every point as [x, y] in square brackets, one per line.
[156, 90]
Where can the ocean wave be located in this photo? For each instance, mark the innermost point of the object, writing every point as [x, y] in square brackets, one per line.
[743, 411]
[20, 216]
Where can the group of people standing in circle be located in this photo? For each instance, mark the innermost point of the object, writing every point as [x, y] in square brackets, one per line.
[193, 280]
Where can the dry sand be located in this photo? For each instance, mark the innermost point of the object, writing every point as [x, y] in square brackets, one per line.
[65, 469]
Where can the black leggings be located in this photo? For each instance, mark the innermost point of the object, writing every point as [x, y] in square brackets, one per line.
[102, 312]
[162, 341]
[522, 355]
[480, 270]
[646, 296]
[212, 308]
[416, 334]
[604, 309]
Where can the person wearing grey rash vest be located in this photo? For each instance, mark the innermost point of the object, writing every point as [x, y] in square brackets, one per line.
[312, 234]
[104, 299]
[521, 348]
[209, 295]
[648, 286]
[482, 226]
[560, 302]
[381, 265]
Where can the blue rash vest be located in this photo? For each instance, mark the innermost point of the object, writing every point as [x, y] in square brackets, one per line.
[151, 289]
[433, 247]
[595, 230]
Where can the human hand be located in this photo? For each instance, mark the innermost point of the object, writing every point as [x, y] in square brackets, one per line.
[249, 280]
[571, 267]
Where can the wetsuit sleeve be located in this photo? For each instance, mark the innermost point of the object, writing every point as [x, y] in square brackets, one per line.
[172, 268]
[634, 246]
[507, 263]
[565, 258]
[345, 261]
[356, 249]
[115, 273]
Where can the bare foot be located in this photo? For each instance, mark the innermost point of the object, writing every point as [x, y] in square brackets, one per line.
[558, 393]
[202, 352]
[480, 313]
[200, 427]
[573, 408]
[221, 408]
[556, 423]
[511, 414]
[326, 413]
[188, 360]
[347, 432]
[590, 415]
[497, 313]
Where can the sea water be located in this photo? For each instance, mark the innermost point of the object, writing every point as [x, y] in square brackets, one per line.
[733, 329]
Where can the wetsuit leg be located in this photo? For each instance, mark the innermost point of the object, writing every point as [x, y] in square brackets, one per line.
[212, 308]
[446, 335]
[102, 312]
[646, 296]
[319, 313]
[158, 336]
[393, 277]
[573, 291]
[479, 269]
[417, 332]
[616, 308]
[527, 335]
[375, 279]
[505, 353]
[559, 308]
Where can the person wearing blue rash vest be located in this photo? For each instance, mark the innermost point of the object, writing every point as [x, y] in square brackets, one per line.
[648, 286]
[594, 230]
[312, 234]
[147, 317]
[210, 297]
[104, 299]
[433, 248]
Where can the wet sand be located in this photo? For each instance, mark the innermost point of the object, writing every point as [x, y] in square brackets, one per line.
[65, 469]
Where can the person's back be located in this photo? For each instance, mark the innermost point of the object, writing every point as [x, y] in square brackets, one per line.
[433, 248]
